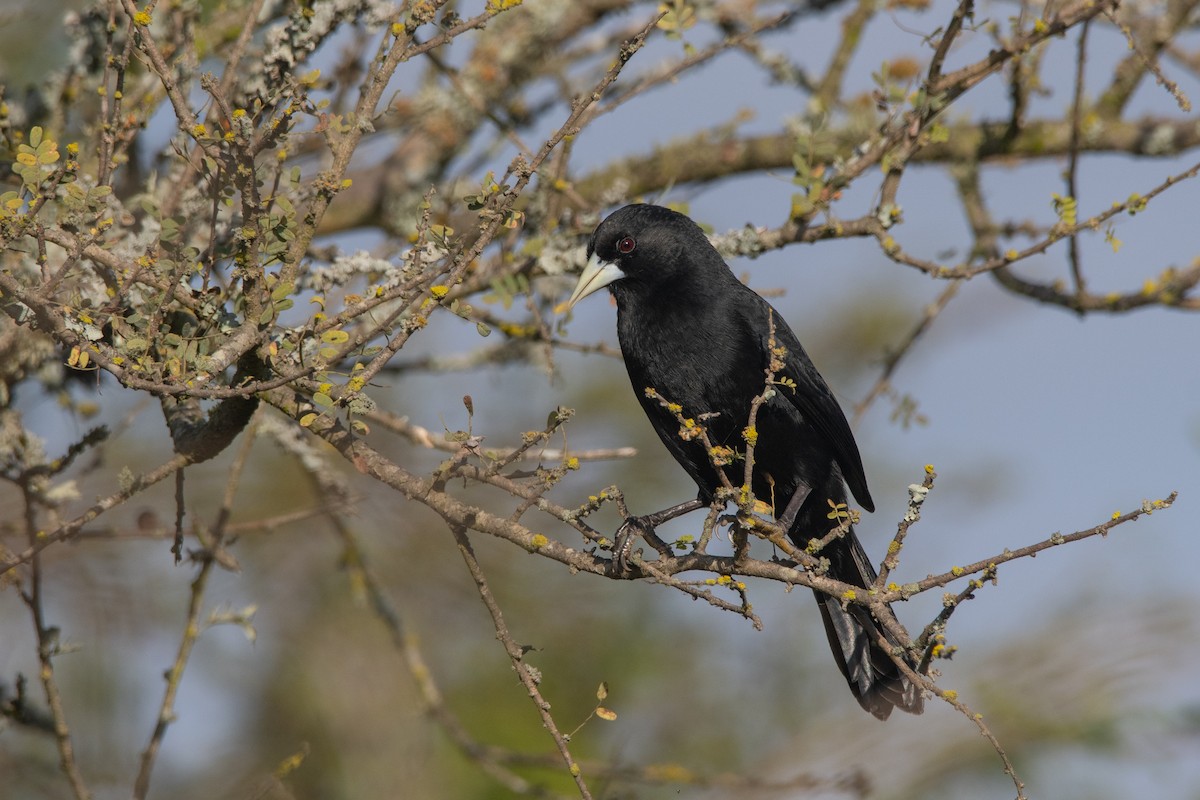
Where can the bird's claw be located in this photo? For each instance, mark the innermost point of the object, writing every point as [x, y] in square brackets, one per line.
[633, 527]
[623, 542]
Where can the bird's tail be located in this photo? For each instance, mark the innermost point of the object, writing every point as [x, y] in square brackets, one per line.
[854, 633]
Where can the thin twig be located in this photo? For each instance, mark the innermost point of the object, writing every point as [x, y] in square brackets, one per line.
[331, 495]
[829, 90]
[1073, 156]
[895, 356]
[916, 498]
[951, 697]
[47, 648]
[66, 531]
[964, 11]
[192, 628]
[1149, 62]
[516, 654]
[670, 72]
[174, 676]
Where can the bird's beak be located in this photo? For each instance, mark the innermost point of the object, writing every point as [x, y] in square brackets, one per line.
[596, 275]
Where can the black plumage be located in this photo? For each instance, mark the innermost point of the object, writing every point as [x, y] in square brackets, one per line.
[690, 330]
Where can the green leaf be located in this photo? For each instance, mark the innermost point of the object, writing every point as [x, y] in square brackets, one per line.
[323, 400]
[801, 205]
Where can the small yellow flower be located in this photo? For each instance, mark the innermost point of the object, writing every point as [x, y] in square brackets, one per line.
[750, 434]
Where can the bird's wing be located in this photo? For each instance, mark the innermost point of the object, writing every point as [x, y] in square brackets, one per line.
[813, 398]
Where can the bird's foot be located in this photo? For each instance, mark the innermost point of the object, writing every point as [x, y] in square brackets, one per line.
[634, 527]
[623, 542]
[627, 536]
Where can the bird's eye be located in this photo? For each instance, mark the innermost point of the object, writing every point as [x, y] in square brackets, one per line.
[626, 245]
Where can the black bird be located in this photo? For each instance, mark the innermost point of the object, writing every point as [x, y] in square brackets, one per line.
[690, 330]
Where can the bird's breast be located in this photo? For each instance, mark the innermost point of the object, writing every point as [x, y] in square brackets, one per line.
[702, 365]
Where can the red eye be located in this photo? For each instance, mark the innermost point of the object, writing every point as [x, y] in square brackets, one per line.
[626, 245]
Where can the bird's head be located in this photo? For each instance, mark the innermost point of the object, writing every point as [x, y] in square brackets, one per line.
[643, 246]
